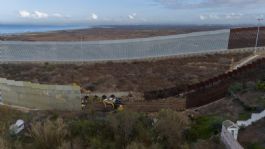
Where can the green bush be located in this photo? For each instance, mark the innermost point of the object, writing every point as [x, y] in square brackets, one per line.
[116, 130]
[255, 146]
[236, 87]
[204, 127]
[260, 85]
[244, 116]
[93, 134]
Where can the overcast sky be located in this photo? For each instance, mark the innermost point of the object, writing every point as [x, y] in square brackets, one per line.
[101, 12]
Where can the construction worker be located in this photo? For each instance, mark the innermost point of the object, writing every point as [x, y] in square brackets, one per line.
[84, 102]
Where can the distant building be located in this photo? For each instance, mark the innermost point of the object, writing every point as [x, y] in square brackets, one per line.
[229, 135]
[231, 127]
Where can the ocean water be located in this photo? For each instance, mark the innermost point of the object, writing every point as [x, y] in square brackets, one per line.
[18, 29]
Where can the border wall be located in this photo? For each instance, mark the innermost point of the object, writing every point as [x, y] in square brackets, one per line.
[205, 95]
[246, 37]
[174, 91]
[216, 88]
[212, 89]
[39, 96]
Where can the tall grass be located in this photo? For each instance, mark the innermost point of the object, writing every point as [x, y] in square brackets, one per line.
[4, 144]
[49, 134]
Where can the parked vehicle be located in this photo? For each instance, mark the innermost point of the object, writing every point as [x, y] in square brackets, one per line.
[17, 127]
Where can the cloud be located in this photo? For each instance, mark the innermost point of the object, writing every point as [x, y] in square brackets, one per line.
[208, 3]
[94, 16]
[57, 15]
[221, 16]
[38, 14]
[203, 17]
[210, 16]
[132, 16]
[24, 14]
[35, 14]
[234, 16]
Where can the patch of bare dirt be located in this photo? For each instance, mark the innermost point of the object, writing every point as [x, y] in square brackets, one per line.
[226, 108]
[253, 134]
[253, 98]
[137, 76]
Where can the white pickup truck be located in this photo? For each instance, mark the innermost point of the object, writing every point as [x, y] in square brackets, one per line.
[17, 127]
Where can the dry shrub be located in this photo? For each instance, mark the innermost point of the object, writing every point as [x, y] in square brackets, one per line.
[170, 128]
[65, 145]
[207, 144]
[123, 126]
[48, 135]
[4, 144]
[136, 145]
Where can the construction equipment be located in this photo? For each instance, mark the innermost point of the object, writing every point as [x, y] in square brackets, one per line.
[115, 102]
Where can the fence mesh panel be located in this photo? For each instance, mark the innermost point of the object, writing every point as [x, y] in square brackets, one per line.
[114, 49]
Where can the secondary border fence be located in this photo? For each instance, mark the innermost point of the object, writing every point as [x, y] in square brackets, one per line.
[131, 49]
[86, 51]
[39, 96]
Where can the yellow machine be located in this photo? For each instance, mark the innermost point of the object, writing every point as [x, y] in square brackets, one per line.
[113, 101]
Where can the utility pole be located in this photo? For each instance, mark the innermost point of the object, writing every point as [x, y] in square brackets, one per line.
[257, 38]
[82, 38]
[81, 42]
